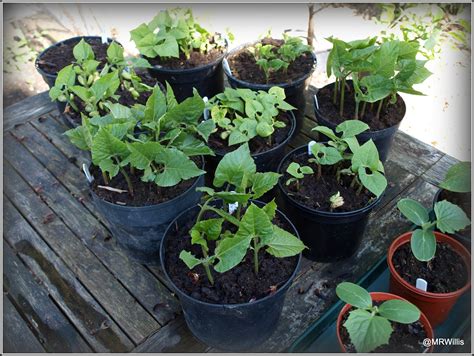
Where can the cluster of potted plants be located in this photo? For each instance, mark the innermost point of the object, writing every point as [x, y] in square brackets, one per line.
[227, 249]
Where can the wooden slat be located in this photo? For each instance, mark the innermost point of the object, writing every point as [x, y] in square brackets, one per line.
[54, 330]
[129, 314]
[437, 172]
[138, 280]
[17, 337]
[27, 109]
[90, 319]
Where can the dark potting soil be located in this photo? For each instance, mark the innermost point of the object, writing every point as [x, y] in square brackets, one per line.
[463, 200]
[390, 114]
[238, 285]
[445, 273]
[244, 66]
[145, 193]
[315, 193]
[404, 338]
[58, 57]
[257, 144]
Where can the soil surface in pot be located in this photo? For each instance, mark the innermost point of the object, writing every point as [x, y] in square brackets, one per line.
[145, 193]
[390, 115]
[257, 144]
[244, 66]
[58, 57]
[238, 285]
[445, 273]
[315, 194]
[404, 338]
[463, 200]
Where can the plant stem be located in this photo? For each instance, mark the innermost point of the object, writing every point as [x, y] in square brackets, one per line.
[343, 90]
[353, 182]
[129, 182]
[206, 267]
[255, 255]
[356, 116]
[359, 189]
[379, 108]
[334, 97]
[203, 209]
[319, 172]
[363, 109]
[106, 179]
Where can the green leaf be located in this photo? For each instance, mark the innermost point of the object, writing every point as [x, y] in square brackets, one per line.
[231, 251]
[176, 167]
[325, 155]
[168, 48]
[233, 166]
[399, 311]
[188, 111]
[354, 295]
[450, 217]
[189, 259]
[282, 243]
[423, 244]
[205, 128]
[83, 51]
[115, 53]
[233, 197]
[413, 211]
[350, 128]
[326, 131]
[81, 92]
[211, 227]
[66, 76]
[458, 178]
[270, 209]
[263, 183]
[155, 105]
[366, 155]
[106, 146]
[375, 182]
[264, 129]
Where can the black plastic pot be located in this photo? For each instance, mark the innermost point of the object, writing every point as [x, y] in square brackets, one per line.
[229, 327]
[382, 138]
[294, 91]
[330, 236]
[466, 241]
[139, 230]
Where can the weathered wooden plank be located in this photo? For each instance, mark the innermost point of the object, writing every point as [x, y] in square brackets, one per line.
[27, 109]
[54, 331]
[128, 313]
[437, 172]
[17, 337]
[91, 320]
[138, 280]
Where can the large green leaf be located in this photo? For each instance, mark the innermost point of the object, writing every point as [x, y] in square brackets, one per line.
[350, 128]
[413, 211]
[231, 251]
[423, 244]
[188, 111]
[83, 51]
[458, 178]
[255, 223]
[354, 295]
[211, 227]
[233, 166]
[264, 182]
[366, 155]
[176, 167]
[189, 259]
[399, 311]
[282, 243]
[66, 76]
[155, 105]
[375, 181]
[450, 217]
[106, 148]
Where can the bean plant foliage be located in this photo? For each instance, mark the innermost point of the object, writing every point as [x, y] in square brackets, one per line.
[449, 218]
[172, 32]
[369, 326]
[253, 224]
[458, 178]
[157, 139]
[83, 81]
[243, 114]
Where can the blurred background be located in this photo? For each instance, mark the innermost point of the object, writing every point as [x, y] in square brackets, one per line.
[441, 118]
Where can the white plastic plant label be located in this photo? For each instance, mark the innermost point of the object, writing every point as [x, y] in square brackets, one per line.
[88, 174]
[421, 284]
[104, 37]
[206, 110]
[233, 207]
[310, 144]
[316, 103]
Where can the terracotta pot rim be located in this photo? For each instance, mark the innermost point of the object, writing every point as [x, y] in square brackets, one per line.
[457, 247]
[383, 296]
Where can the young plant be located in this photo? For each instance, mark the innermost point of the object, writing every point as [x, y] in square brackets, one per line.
[242, 114]
[172, 32]
[297, 172]
[254, 229]
[458, 178]
[369, 326]
[449, 218]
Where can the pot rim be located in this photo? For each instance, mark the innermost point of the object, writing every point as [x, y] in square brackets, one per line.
[279, 291]
[383, 296]
[367, 133]
[228, 71]
[457, 247]
[283, 143]
[52, 75]
[344, 214]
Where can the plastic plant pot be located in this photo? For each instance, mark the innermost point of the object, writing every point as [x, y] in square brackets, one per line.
[229, 327]
[380, 297]
[330, 236]
[382, 138]
[436, 306]
[139, 229]
[294, 90]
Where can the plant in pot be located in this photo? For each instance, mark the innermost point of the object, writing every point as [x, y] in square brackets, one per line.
[182, 52]
[82, 88]
[427, 267]
[287, 63]
[328, 190]
[262, 119]
[146, 163]
[379, 322]
[232, 258]
[369, 77]
[456, 188]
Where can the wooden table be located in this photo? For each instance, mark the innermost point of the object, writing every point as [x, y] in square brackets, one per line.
[69, 288]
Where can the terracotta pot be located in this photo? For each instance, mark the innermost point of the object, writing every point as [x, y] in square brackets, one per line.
[436, 306]
[380, 297]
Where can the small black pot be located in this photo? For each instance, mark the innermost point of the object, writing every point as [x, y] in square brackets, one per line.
[466, 241]
[294, 91]
[229, 327]
[382, 138]
[139, 229]
[330, 236]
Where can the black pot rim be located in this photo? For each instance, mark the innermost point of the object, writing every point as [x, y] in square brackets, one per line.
[293, 83]
[53, 75]
[344, 214]
[282, 143]
[228, 306]
[368, 133]
[150, 207]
